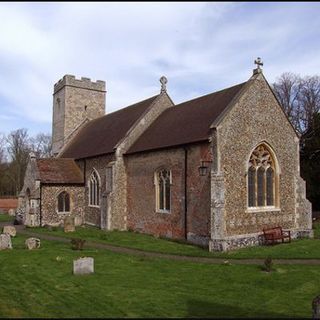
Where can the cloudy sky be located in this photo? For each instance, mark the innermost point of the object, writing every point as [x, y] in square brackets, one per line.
[200, 47]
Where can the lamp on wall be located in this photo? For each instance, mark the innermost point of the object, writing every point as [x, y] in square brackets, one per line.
[203, 168]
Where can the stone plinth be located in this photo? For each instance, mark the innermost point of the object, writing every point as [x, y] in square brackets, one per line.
[69, 224]
[10, 230]
[5, 241]
[32, 243]
[83, 266]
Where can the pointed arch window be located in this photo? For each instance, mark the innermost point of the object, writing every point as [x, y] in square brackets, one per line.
[94, 189]
[163, 190]
[262, 178]
[63, 202]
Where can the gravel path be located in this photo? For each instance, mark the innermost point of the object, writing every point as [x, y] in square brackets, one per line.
[137, 252]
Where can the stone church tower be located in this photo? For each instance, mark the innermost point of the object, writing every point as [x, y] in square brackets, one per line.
[75, 102]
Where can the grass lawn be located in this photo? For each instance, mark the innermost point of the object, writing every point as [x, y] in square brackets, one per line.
[5, 217]
[39, 284]
[303, 248]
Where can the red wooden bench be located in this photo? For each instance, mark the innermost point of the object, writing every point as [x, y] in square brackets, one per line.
[274, 235]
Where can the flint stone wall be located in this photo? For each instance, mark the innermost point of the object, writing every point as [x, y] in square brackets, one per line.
[120, 206]
[92, 215]
[254, 119]
[50, 214]
[249, 240]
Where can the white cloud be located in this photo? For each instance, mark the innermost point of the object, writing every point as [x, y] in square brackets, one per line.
[200, 47]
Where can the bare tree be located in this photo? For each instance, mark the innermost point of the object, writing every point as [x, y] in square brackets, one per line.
[41, 145]
[287, 89]
[309, 100]
[18, 147]
[2, 147]
[299, 98]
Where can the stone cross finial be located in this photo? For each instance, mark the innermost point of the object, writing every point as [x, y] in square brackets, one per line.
[163, 81]
[259, 63]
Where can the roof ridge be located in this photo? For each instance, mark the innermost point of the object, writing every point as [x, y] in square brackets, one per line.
[208, 94]
[124, 108]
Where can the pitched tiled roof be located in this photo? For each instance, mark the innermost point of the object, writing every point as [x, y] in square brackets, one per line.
[100, 136]
[187, 122]
[58, 170]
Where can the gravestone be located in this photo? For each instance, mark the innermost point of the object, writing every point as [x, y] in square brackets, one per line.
[69, 225]
[83, 265]
[32, 243]
[10, 230]
[316, 308]
[11, 212]
[5, 241]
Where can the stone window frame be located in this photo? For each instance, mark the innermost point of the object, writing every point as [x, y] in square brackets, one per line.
[276, 180]
[95, 180]
[157, 191]
[60, 192]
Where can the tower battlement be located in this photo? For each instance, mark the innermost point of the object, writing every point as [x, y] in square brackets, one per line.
[75, 101]
[83, 83]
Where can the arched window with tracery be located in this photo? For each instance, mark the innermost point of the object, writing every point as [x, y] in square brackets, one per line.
[163, 190]
[262, 178]
[63, 202]
[94, 189]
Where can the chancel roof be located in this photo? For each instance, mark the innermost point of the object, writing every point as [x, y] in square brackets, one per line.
[188, 122]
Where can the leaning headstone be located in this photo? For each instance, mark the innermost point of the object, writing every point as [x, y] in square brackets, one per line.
[10, 230]
[32, 243]
[5, 241]
[316, 308]
[83, 265]
[69, 225]
[11, 212]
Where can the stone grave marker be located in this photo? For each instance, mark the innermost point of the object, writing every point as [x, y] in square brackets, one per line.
[316, 308]
[69, 224]
[10, 230]
[32, 243]
[12, 212]
[83, 266]
[5, 241]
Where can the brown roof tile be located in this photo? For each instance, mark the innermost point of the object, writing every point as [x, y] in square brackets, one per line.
[58, 170]
[187, 122]
[100, 136]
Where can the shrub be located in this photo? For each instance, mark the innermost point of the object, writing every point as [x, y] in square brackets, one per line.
[77, 244]
[268, 264]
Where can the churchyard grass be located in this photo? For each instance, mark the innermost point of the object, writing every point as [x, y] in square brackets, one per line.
[40, 283]
[297, 249]
[5, 217]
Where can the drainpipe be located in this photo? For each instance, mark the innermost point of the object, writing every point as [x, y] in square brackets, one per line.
[84, 173]
[40, 205]
[185, 192]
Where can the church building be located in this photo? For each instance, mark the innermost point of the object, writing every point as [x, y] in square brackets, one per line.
[214, 170]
